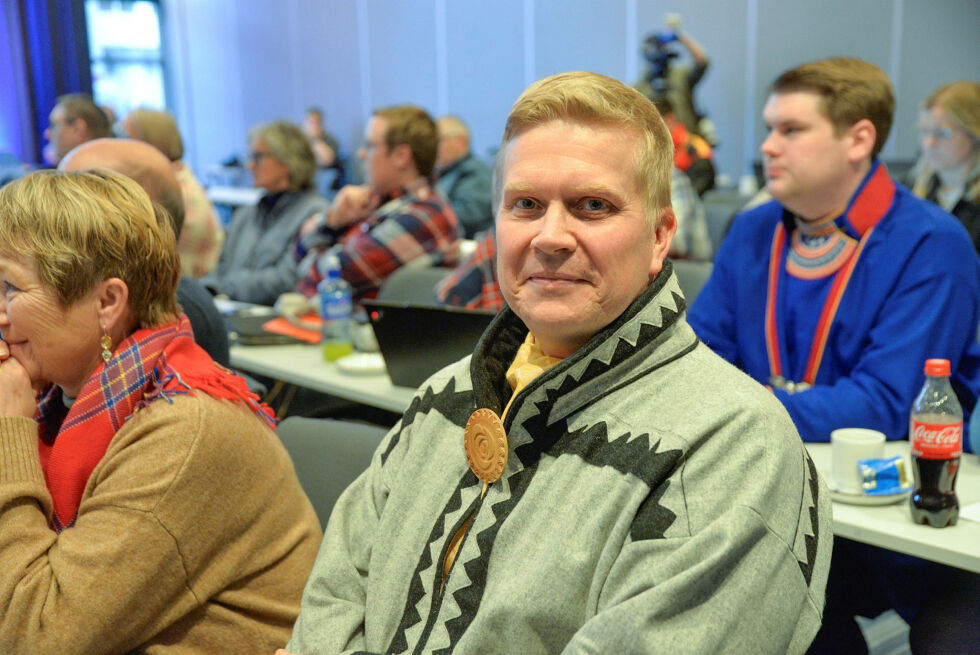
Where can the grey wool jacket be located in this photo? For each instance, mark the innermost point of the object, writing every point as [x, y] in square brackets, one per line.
[655, 500]
[257, 263]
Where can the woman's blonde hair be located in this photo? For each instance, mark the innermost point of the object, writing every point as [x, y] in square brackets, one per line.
[596, 100]
[961, 102]
[159, 129]
[287, 143]
[81, 228]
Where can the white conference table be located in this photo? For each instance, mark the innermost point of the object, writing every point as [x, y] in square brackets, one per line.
[303, 365]
[891, 526]
[886, 526]
[234, 196]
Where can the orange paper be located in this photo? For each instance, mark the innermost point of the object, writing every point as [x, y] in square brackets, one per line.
[282, 326]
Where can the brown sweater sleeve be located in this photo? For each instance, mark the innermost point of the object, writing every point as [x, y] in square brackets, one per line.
[192, 530]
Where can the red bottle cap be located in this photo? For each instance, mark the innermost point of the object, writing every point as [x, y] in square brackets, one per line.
[937, 367]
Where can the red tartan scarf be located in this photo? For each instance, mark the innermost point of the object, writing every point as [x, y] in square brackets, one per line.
[148, 365]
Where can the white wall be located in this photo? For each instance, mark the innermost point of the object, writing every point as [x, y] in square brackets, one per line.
[235, 63]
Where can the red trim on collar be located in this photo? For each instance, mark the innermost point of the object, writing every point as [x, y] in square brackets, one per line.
[873, 201]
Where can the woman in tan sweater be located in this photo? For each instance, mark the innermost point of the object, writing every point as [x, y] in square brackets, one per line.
[145, 504]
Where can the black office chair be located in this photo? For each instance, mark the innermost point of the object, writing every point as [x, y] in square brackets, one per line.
[328, 455]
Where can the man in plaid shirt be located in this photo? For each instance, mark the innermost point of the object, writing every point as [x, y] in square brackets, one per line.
[395, 219]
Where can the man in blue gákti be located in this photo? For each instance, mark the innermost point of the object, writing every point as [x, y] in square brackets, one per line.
[835, 294]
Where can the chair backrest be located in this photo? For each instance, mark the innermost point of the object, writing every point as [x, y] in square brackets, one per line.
[328, 455]
[413, 284]
[692, 276]
[719, 208]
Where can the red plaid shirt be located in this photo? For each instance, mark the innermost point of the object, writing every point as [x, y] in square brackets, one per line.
[473, 284]
[406, 227]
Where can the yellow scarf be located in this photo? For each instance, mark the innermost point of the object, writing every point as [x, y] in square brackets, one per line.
[528, 364]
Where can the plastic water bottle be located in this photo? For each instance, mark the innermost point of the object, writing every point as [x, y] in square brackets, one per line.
[335, 313]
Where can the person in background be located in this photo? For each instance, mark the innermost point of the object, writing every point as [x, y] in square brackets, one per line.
[256, 263]
[949, 172]
[692, 154]
[145, 505]
[691, 240]
[473, 283]
[638, 494]
[200, 241]
[74, 120]
[394, 219]
[326, 150]
[463, 178]
[149, 168]
[325, 146]
[665, 79]
[834, 295]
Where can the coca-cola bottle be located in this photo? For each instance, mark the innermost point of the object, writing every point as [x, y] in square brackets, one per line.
[936, 433]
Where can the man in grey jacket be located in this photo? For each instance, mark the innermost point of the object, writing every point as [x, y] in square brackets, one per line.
[593, 479]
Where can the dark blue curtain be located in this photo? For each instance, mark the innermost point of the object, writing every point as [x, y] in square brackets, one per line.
[55, 56]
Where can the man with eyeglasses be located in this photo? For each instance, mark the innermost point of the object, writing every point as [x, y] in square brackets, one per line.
[834, 294]
[74, 120]
[394, 219]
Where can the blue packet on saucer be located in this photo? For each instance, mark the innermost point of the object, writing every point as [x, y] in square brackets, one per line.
[884, 477]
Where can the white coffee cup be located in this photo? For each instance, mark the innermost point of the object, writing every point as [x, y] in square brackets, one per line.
[850, 445]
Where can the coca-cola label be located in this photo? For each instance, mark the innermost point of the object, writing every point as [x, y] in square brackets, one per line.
[932, 441]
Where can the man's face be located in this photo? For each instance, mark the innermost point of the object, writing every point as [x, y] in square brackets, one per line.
[452, 146]
[575, 246]
[804, 160]
[381, 169]
[64, 134]
[945, 145]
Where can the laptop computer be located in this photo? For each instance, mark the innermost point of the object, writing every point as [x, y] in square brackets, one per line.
[246, 327]
[416, 340]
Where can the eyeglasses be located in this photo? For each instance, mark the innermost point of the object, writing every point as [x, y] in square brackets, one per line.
[369, 147]
[256, 157]
[937, 133]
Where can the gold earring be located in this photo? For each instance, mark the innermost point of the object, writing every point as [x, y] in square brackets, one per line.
[106, 343]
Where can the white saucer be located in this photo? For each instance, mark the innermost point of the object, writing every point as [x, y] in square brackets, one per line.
[361, 364]
[866, 499]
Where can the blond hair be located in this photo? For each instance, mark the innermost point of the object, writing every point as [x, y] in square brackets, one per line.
[592, 99]
[80, 228]
[287, 143]
[961, 102]
[850, 90]
[159, 129]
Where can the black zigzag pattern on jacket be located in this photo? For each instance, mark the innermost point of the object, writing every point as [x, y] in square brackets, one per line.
[811, 540]
[455, 406]
[591, 443]
[416, 589]
[632, 455]
[468, 597]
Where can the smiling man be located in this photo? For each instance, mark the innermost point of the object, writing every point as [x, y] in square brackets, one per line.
[835, 294]
[560, 490]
